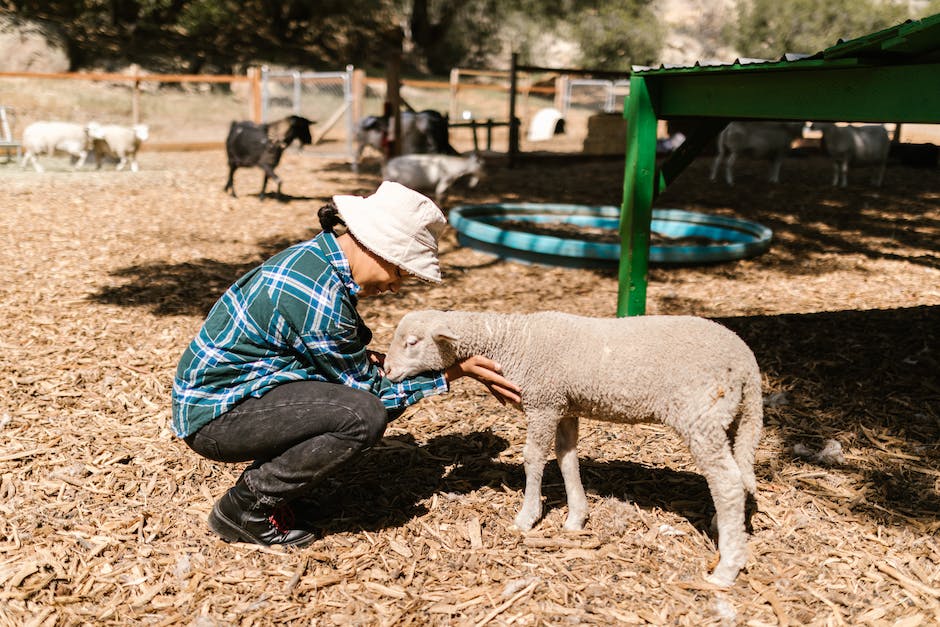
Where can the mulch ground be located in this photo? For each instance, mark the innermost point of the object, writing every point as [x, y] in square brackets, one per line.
[108, 276]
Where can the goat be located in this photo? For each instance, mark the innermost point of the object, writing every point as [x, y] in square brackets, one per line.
[249, 144]
[421, 132]
[858, 145]
[433, 172]
[762, 140]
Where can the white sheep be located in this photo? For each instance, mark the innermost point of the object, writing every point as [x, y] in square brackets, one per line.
[690, 373]
[48, 138]
[433, 172]
[858, 145]
[761, 140]
[118, 142]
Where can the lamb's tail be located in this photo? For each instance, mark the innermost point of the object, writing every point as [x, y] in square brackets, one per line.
[747, 435]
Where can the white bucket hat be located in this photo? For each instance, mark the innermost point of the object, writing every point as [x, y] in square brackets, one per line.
[397, 224]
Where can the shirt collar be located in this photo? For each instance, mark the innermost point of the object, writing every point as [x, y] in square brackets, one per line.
[334, 254]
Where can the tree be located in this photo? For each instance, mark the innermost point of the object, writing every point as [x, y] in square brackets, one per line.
[768, 29]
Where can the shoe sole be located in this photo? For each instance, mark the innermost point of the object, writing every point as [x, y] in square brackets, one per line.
[229, 531]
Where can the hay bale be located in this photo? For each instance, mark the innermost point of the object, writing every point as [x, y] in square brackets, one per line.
[606, 135]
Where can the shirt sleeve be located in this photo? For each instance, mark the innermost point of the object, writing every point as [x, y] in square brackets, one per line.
[341, 351]
[332, 339]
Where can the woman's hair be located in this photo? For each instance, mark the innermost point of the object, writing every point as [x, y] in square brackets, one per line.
[329, 217]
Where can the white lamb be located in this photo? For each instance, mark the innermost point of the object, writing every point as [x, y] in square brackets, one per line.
[433, 172]
[858, 145]
[761, 140]
[48, 138]
[690, 373]
[118, 142]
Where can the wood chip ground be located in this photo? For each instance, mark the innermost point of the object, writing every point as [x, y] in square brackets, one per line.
[108, 275]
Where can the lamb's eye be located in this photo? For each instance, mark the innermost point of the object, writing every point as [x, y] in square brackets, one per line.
[411, 340]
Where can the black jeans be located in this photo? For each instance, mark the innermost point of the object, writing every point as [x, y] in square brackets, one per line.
[297, 434]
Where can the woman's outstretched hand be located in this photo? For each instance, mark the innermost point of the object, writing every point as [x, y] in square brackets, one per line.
[490, 374]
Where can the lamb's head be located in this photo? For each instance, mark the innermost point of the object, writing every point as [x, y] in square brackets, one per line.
[422, 342]
[141, 132]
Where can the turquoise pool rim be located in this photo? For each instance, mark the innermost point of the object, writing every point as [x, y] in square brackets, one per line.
[478, 227]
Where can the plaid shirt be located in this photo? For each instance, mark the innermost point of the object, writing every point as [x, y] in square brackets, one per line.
[293, 318]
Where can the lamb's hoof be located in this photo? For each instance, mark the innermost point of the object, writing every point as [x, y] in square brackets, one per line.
[574, 525]
[721, 582]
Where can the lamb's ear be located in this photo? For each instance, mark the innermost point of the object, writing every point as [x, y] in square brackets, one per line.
[442, 332]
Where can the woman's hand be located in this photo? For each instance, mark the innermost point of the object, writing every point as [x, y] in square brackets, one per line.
[378, 359]
[490, 374]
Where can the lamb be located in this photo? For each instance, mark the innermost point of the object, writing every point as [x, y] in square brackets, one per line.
[47, 138]
[858, 145]
[429, 172]
[761, 140]
[119, 142]
[689, 373]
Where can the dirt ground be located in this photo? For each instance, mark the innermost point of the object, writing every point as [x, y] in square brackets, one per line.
[109, 275]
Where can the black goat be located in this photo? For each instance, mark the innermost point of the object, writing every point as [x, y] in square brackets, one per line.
[249, 144]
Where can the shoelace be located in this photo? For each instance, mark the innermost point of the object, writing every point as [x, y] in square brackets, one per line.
[282, 518]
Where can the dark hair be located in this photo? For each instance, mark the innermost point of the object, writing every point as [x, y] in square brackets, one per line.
[329, 217]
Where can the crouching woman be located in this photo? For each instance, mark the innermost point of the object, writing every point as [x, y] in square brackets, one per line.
[280, 374]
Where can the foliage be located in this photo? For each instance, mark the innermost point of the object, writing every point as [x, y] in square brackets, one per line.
[769, 28]
[616, 35]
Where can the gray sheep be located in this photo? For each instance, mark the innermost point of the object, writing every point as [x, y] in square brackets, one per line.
[858, 145]
[433, 173]
[760, 140]
[690, 373]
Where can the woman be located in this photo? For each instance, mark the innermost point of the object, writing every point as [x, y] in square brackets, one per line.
[280, 374]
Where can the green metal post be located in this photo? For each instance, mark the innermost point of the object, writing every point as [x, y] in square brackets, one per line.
[637, 210]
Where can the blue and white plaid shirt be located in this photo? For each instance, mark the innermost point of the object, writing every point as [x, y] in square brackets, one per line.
[293, 318]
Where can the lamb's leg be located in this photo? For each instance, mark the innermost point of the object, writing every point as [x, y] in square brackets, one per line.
[729, 167]
[541, 428]
[566, 451]
[80, 163]
[716, 164]
[835, 173]
[880, 175]
[713, 457]
[121, 163]
[775, 169]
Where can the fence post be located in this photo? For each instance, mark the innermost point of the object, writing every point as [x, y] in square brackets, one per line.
[358, 94]
[254, 101]
[561, 89]
[513, 126]
[135, 98]
[454, 86]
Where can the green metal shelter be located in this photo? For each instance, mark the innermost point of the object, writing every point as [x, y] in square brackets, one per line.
[892, 75]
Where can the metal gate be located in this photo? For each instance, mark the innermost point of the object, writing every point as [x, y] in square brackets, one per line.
[595, 94]
[325, 97]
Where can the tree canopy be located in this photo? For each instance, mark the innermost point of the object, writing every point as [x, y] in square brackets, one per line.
[434, 35]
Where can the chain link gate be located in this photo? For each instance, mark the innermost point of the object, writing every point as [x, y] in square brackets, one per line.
[324, 97]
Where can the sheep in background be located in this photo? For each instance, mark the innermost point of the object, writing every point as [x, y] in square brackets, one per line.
[429, 172]
[48, 138]
[858, 145]
[761, 140]
[118, 142]
[690, 373]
